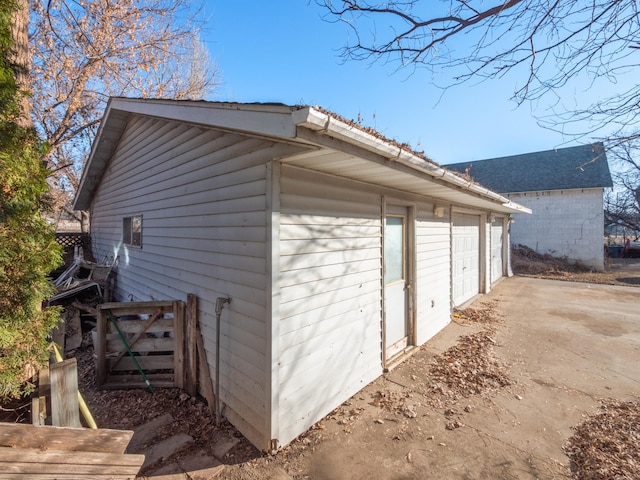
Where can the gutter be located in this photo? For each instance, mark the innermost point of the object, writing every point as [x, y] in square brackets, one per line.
[322, 123]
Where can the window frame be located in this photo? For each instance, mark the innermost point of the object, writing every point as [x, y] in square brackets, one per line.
[132, 231]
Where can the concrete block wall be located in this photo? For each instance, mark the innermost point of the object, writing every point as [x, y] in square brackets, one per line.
[564, 223]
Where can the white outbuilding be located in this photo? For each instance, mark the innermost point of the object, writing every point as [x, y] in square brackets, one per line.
[340, 250]
[565, 189]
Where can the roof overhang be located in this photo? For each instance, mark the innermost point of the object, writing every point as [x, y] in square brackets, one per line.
[336, 147]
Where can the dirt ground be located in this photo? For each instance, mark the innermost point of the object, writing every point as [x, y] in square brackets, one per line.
[501, 393]
[617, 271]
[518, 386]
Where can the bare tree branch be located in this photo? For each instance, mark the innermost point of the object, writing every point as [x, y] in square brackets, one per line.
[84, 52]
[547, 44]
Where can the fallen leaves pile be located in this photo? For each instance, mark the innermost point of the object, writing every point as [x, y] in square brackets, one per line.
[607, 444]
[468, 368]
[131, 408]
[485, 315]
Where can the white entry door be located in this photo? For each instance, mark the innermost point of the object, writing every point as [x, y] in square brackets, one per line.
[396, 325]
[466, 257]
[497, 248]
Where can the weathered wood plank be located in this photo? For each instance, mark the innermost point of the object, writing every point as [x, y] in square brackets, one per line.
[132, 381]
[65, 411]
[146, 362]
[101, 347]
[132, 326]
[19, 435]
[41, 405]
[178, 343]
[205, 380]
[132, 308]
[191, 345]
[151, 344]
[58, 464]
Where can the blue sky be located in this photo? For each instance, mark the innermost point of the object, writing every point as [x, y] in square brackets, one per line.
[283, 51]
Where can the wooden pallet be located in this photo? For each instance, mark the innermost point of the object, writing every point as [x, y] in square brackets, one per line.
[155, 337]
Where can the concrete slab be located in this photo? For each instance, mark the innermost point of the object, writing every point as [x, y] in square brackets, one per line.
[223, 445]
[165, 448]
[147, 432]
[566, 347]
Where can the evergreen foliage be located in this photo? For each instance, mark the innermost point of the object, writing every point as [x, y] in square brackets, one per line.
[28, 250]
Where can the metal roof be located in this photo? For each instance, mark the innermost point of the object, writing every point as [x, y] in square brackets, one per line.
[568, 168]
[335, 146]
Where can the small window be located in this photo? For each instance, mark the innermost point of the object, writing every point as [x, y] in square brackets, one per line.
[132, 231]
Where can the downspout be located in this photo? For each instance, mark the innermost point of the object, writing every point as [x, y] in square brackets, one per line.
[220, 301]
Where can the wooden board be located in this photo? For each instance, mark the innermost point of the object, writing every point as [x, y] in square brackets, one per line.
[191, 350]
[148, 362]
[35, 463]
[41, 404]
[65, 411]
[133, 326]
[205, 382]
[20, 435]
[178, 343]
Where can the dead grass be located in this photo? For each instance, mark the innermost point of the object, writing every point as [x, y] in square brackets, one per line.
[618, 271]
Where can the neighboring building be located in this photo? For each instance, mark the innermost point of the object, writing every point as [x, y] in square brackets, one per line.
[341, 250]
[564, 189]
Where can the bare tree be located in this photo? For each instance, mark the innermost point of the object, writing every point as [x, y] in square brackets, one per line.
[622, 204]
[85, 51]
[547, 43]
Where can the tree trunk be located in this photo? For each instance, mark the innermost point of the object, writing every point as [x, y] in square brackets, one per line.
[20, 34]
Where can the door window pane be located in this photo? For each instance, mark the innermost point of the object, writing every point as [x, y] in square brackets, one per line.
[393, 249]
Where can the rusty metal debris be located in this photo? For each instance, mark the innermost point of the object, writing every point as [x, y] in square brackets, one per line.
[81, 276]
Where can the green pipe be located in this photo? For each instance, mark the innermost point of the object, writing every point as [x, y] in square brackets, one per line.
[133, 357]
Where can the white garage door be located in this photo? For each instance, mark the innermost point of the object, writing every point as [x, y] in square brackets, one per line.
[497, 241]
[466, 257]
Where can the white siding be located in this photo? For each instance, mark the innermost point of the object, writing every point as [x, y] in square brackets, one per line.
[202, 197]
[330, 296]
[564, 223]
[433, 272]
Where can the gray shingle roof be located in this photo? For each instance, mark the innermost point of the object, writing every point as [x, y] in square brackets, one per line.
[584, 166]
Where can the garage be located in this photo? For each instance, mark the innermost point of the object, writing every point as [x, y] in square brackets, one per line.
[466, 256]
[497, 248]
